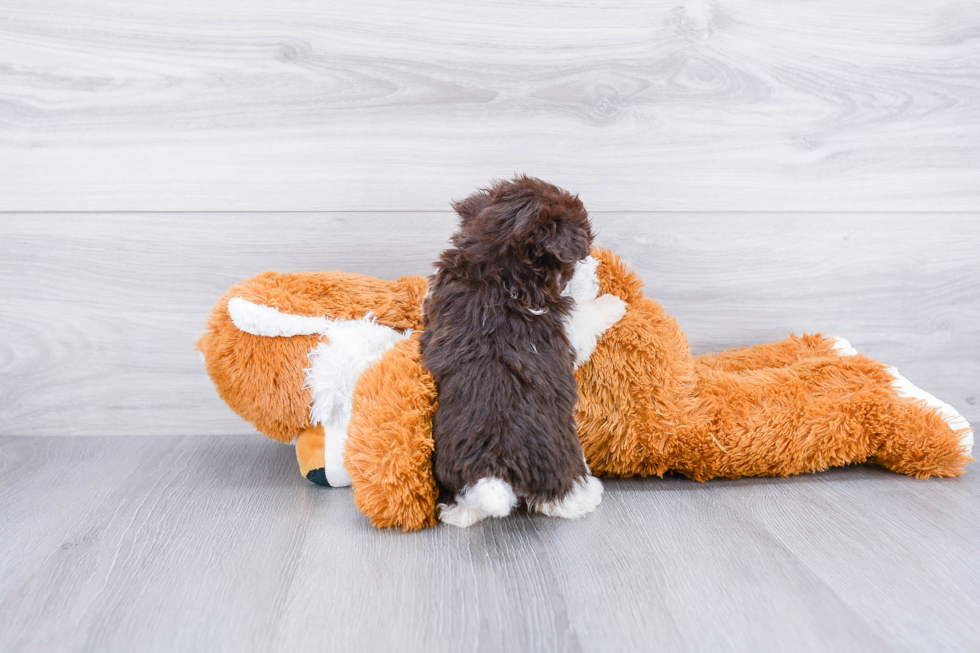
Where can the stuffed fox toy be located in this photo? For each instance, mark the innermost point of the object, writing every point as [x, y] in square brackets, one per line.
[330, 362]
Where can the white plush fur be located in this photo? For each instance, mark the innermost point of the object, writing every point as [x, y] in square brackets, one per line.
[488, 497]
[906, 388]
[583, 499]
[267, 321]
[592, 315]
[352, 346]
[584, 284]
[334, 439]
[844, 347]
[335, 366]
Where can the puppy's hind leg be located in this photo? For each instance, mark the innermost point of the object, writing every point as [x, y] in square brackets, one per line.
[584, 497]
[458, 514]
[488, 497]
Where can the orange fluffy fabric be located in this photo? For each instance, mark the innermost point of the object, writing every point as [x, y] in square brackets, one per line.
[646, 405]
[389, 444]
[262, 378]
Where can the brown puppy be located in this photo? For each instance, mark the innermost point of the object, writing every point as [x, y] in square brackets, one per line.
[495, 342]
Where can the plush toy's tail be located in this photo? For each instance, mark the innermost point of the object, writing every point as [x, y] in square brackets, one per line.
[927, 437]
[801, 405]
[831, 406]
[953, 419]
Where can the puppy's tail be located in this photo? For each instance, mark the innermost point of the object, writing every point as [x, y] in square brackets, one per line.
[491, 497]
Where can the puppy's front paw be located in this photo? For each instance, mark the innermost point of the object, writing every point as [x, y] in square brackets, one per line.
[609, 310]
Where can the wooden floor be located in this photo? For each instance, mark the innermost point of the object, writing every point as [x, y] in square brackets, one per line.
[216, 543]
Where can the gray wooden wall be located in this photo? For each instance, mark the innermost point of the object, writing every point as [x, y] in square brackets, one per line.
[767, 167]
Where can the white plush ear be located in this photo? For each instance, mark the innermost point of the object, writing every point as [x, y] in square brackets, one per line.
[267, 321]
[592, 316]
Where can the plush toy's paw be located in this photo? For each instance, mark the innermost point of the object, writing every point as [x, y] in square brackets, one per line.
[317, 476]
[589, 320]
[309, 455]
[583, 499]
[609, 309]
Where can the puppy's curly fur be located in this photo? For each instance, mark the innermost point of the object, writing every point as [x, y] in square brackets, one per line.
[495, 343]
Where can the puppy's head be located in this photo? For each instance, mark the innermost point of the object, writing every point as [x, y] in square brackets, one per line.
[525, 224]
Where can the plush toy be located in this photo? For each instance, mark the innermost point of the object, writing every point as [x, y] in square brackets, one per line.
[330, 361]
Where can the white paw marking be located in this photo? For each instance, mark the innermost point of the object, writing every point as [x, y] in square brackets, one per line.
[583, 499]
[905, 388]
[488, 497]
[491, 497]
[609, 309]
[458, 514]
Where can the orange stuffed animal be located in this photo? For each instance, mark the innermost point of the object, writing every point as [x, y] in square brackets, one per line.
[331, 362]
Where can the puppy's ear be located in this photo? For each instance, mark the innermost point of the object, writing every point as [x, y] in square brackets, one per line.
[566, 238]
[469, 208]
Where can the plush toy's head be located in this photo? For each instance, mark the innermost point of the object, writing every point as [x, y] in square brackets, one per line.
[521, 224]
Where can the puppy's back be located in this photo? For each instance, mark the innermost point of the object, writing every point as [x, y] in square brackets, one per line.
[495, 343]
[507, 393]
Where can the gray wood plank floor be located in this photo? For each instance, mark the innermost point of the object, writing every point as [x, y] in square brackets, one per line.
[215, 543]
[396, 104]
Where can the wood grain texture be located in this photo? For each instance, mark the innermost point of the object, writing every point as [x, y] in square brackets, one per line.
[214, 543]
[397, 105]
[766, 166]
[100, 312]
